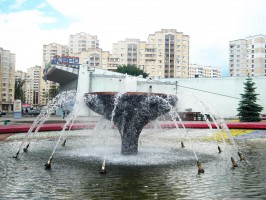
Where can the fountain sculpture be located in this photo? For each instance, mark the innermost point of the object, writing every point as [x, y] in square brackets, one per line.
[130, 112]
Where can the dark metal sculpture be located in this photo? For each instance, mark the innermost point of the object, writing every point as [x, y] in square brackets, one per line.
[130, 112]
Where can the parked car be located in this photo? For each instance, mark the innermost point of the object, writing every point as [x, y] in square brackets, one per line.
[34, 112]
[2, 113]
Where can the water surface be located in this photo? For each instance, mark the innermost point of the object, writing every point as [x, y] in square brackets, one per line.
[161, 170]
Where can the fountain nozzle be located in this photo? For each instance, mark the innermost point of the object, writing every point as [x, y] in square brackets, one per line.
[219, 149]
[103, 170]
[200, 169]
[16, 156]
[241, 156]
[48, 164]
[234, 162]
[182, 144]
[64, 143]
[26, 148]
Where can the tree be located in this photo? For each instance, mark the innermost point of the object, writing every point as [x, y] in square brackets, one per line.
[131, 70]
[249, 110]
[53, 91]
[19, 92]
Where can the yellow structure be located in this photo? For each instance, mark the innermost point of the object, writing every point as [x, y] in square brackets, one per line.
[165, 55]
[7, 80]
[247, 56]
[197, 71]
[82, 42]
[51, 50]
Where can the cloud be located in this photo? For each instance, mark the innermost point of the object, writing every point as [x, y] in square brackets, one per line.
[26, 39]
[17, 4]
[210, 25]
[42, 5]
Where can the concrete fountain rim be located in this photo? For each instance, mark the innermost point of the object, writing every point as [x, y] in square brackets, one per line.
[127, 93]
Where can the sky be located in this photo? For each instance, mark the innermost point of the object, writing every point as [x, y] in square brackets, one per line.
[26, 25]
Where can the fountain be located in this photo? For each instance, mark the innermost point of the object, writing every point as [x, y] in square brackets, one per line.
[161, 172]
[130, 112]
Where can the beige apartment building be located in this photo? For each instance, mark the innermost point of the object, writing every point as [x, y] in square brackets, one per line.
[130, 52]
[51, 50]
[165, 55]
[36, 92]
[20, 75]
[35, 87]
[199, 71]
[171, 50]
[97, 58]
[248, 56]
[82, 42]
[7, 80]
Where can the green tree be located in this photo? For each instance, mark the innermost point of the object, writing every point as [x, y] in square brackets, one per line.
[249, 110]
[19, 92]
[53, 92]
[131, 70]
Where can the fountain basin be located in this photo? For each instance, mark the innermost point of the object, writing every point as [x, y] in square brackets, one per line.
[130, 112]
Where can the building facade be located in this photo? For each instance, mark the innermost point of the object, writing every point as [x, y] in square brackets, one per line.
[171, 50]
[248, 56]
[130, 52]
[51, 50]
[82, 42]
[7, 80]
[199, 71]
[165, 55]
[35, 87]
[96, 57]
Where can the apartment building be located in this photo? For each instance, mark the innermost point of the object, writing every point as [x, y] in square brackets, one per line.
[82, 42]
[97, 58]
[130, 52]
[20, 75]
[171, 52]
[52, 49]
[36, 91]
[198, 71]
[165, 55]
[49, 51]
[7, 79]
[248, 56]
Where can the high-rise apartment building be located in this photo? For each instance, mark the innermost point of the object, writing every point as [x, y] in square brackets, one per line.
[36, 91]
[7, 79]
[82, 42]
[50, 50]
[96, 57]
[198, 71]
[130, 52]
[20, 75]
[248, 56]
[165, 55]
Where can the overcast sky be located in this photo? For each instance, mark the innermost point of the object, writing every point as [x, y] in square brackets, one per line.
[25, 25]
